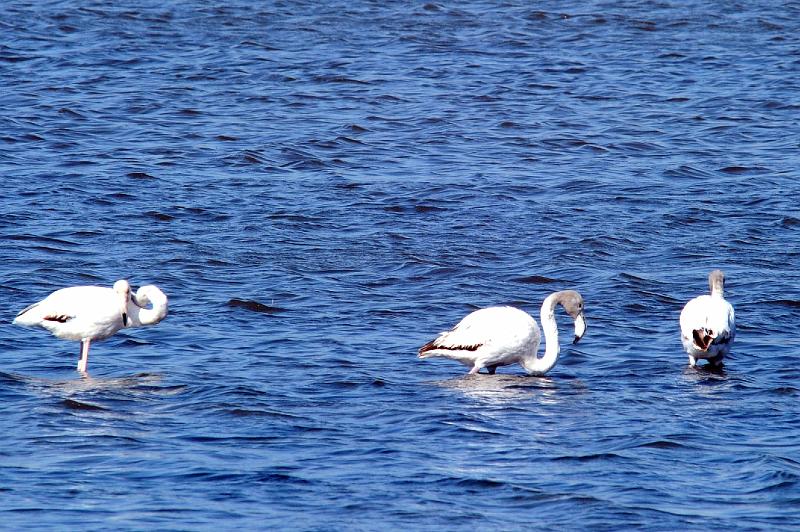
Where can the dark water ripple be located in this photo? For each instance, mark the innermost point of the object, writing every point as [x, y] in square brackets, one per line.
[321, 188]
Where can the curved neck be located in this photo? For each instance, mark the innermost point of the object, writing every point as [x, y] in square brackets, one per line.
[157, 311]
[540, 366]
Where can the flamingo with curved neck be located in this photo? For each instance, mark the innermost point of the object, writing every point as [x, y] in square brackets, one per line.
[147, 307]
[89, 313]
[499, 336]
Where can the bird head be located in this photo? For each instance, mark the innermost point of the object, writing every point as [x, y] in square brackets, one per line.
[123, 289]
[572, 302]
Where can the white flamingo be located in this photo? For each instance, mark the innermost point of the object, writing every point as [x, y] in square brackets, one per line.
[499, 336]
[708, 326]
[89, 313]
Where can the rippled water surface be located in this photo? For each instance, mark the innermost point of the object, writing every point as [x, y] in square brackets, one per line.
[320, 189]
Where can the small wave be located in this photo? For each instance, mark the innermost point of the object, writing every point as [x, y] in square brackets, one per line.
[139, 175]
[78, 405]
[339, 79]
[249, 412]
[587, 457]
[159, 216]
[536, 279]
[780, 487]
[785, 390]
[686, 171]
[254, 306]
[790, 303]
[69, 112]
[744, 170]
[473, 483]
[428, 208]
[357, 128]
[280, 478]
[661, 444]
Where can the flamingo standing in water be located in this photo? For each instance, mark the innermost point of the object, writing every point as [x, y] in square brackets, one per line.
[89, 313]
[499, 336]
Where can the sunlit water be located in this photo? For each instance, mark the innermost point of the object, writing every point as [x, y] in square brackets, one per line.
[320, 189]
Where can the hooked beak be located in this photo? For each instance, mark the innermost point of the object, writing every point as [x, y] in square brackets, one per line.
[580, 328]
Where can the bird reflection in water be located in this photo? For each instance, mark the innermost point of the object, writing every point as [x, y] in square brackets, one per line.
[500, 389]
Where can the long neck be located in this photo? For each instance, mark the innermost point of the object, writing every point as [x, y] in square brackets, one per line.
[539, 366]
[716, 283]
[148, 316]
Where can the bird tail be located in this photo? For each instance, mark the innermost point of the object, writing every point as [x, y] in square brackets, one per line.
[436, 348]
[702, 338]
[26, 317]
[424, 351]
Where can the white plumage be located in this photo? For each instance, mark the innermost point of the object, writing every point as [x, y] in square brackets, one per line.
[499, 336]
[89, 313]
[708, 324]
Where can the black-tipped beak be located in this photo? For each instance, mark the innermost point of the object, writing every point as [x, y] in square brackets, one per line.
[125, 319]
[580, 328]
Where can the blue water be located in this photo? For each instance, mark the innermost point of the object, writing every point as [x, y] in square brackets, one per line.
[320, 189]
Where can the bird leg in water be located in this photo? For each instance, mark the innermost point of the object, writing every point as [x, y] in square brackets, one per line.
[83, 362]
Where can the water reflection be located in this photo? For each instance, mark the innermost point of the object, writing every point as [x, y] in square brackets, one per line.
[505, 389]
[706, 370]
[708, 381]
[141, 383]
[707, 375]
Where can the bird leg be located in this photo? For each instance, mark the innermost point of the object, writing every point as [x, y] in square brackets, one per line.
[83, 362]
[692, 361]
[491, 369]
[475, 369]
